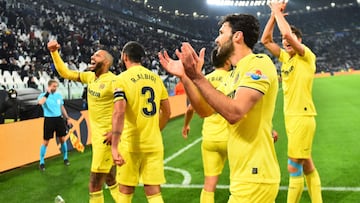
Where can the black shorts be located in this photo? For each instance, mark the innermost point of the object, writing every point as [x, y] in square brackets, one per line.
[54, 124]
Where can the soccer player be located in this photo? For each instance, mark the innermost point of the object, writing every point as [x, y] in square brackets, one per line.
[297, 73]
[246, 99]
[52, 104]
[141, 111]
[214, 134]
[100, 102]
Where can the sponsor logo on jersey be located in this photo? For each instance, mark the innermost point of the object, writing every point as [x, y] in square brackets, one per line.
[256, 75]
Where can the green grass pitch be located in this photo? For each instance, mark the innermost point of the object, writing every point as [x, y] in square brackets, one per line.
[335, 151]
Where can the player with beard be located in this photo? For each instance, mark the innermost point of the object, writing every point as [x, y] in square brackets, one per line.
[246, 99]
[297, 73]
[100, 97]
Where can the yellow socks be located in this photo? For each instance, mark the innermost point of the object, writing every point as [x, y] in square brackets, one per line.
[125, 198]
[296, 187]
[207, 197]
[157, 198]
[114, 191]
[96, 197]
[314, 186]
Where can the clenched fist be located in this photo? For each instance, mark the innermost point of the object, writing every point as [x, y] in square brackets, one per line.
[53, 45]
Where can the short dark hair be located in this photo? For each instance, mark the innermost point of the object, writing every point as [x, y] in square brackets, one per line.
[247, 24]
[216, 60]
[134, 50]
[109, 57]
[296, 31]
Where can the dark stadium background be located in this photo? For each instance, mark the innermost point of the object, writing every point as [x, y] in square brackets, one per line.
[332, 31]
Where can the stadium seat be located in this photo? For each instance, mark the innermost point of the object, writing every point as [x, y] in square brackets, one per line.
[16, 78]
[28, 59]
[43, 81]
[26, 78]
[7, 74]
[15, 74]
[82, 66]
[21, 60]
[44, 74]
[76, 93]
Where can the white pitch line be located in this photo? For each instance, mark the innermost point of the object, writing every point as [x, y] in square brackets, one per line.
[186, 174]
[199, 186]
[186, 182]
[181, 151]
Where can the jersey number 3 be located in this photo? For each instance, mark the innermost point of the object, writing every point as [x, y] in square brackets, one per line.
[151, 109]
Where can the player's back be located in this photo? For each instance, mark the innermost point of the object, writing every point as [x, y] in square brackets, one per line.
[215, 127]
[143, 92]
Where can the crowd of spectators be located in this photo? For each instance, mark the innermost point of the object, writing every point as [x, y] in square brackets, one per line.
[27, 26]
[332, 32]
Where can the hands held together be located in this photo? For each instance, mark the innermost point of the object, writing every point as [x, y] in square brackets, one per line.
[278, 6]
[188, 65]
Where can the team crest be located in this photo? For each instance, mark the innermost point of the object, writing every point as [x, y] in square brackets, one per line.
[102, 86]
[256, 75]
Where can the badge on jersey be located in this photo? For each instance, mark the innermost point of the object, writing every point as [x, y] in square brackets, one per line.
[256, 75]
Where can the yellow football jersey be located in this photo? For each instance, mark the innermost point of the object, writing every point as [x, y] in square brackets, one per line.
[251, 152]
[215, 127]
[143, 90]
[100, 95]
[297, 80]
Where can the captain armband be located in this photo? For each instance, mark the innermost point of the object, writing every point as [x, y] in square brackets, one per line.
[119, 93]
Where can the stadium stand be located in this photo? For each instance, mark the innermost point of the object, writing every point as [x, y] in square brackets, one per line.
[82, 26]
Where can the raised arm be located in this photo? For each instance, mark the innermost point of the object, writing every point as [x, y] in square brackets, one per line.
[199, 104]
[232, 110]
[284, 27]
[175, 67]
[60, 66]
[267, 37]
[42, 100]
